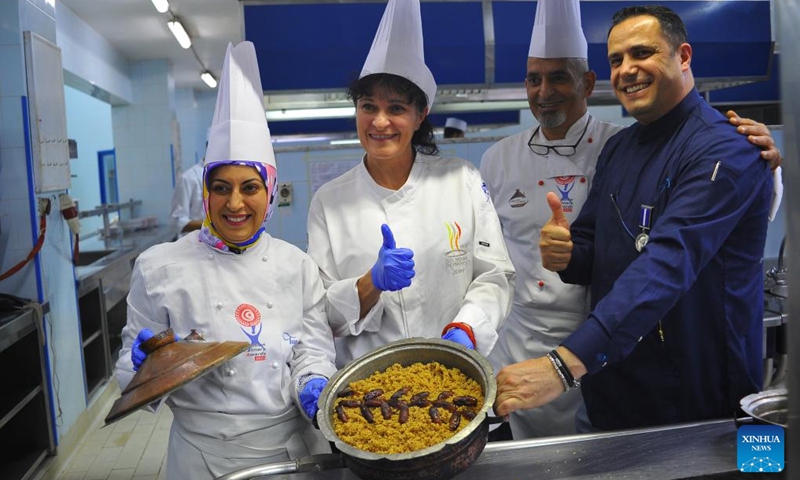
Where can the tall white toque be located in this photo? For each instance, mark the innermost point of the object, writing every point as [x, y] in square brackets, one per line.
[398, 48]
[557, 31]
[239, 128]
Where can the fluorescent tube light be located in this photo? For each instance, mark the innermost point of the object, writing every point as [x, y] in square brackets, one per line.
[180, 33]
[346, 141]
[161, 5]
[311, 113]
[209, 79]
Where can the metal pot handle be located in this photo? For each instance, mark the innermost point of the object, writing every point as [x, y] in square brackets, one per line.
[311, 463]
[493, 420]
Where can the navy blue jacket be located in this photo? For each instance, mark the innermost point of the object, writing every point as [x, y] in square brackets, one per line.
[675, 332]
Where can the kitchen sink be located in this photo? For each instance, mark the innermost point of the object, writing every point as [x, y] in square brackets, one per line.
[88, 258]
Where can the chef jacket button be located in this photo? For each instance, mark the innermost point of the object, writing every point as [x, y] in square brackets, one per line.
[218, 306]
[583, 179]
[602, 357]
[541, 284]
[275, 365]
[210, 256]
[590, 140]
[541, 182]
[231, 372]
[264, 258]
[269, 304]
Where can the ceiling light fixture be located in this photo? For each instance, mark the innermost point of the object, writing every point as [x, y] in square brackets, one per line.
[345, 141]
[161, 5]
[311, 113]
[180, 33]
[209, 79]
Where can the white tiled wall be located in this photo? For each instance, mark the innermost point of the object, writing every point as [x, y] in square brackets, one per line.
[142, 138]
[89, 123]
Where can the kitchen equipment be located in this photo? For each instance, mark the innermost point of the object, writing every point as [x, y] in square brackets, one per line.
[768, 407]
[170, 365]
[438, 462]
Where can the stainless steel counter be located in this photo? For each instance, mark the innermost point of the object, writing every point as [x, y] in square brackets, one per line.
[103, 278]
[15, 325]
[706, 449]
[123, 251]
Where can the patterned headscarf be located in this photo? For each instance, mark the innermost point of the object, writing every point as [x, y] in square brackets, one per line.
[208, 234]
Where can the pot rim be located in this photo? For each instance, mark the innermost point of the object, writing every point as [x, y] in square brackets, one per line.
[342, 377]
[751, 403]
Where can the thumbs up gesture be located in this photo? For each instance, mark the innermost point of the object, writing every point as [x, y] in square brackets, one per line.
[395, 266]
[555, 240]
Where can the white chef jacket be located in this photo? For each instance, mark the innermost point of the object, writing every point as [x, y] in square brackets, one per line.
[187, 198]
[545, 309]
[270, 296]
[444, 214]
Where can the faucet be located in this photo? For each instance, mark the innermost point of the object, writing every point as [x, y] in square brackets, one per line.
[778, 275]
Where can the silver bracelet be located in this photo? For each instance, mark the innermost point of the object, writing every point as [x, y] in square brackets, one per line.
[562, 367]
[560, 375]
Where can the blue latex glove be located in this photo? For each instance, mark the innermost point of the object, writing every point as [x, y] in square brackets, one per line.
[309, 396]
[395, 266]
[137, 355]
[459, 336]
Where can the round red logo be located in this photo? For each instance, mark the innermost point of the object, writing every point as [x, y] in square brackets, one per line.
[247, 315]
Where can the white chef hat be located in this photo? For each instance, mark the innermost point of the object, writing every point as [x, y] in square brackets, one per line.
[398, 48]
[239, 128]
[457, 123]
[557, 31]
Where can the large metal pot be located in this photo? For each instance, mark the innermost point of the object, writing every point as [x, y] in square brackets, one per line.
[438, 462]
[768, 407]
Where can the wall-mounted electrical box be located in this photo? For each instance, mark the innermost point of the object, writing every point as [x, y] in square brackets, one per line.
[284, 194]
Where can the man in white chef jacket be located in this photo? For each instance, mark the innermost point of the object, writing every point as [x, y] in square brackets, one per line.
[187, 212]
[558, 155]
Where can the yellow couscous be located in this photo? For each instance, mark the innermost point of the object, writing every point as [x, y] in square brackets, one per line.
[359, 413]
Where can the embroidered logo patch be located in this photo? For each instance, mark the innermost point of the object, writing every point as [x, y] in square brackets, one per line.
[486, 192]
[456, 259]
[565, 185]
[249, 318]
[760, 448]
[518, 199]
[247, 315]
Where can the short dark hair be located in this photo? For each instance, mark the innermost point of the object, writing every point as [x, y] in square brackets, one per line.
[452, 132]
[423, 140]
[671, 24]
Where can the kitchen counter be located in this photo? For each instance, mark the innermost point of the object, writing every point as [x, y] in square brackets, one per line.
[705, 449]
[123, 251]
[103, 278]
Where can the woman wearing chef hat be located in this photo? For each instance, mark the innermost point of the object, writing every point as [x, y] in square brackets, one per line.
[408, 243]
[233, 281]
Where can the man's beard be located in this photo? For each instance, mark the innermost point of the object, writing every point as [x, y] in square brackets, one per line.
[552, 119]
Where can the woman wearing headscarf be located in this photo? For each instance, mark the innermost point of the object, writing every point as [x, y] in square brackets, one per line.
[231, 281]
[408, 243]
